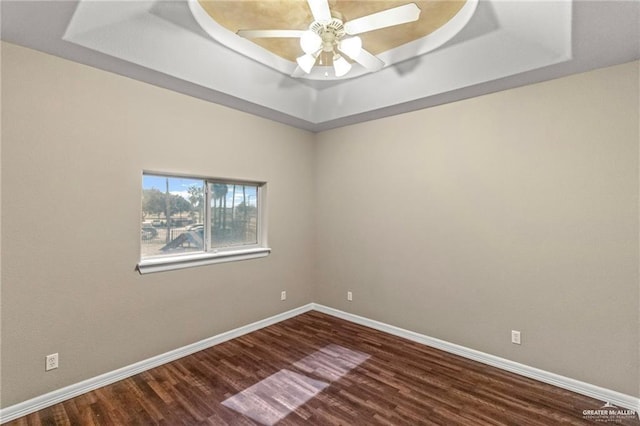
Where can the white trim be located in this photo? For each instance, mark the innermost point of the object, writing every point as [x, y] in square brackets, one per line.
[170, 263]
[616, 398]
[68, 392]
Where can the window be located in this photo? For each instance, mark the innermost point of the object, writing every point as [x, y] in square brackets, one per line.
[189, 221]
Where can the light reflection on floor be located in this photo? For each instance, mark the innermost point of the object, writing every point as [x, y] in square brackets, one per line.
[331, 362]
[272, 399]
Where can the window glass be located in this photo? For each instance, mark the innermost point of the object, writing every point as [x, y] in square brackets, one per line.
[172, 215]
[234, 214]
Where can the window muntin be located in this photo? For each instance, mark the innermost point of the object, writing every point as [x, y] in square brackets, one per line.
[198, 218]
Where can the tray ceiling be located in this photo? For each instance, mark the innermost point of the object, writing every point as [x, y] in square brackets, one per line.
[505, 44]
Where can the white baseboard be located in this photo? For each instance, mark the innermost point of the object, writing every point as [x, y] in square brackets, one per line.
[593, 391]
[38, 403]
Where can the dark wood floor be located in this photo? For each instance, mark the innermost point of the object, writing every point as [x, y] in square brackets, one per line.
[400, 383]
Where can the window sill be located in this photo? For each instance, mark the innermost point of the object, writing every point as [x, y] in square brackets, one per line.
[189, 261]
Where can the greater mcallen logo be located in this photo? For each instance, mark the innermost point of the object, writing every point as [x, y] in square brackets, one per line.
[608, 413]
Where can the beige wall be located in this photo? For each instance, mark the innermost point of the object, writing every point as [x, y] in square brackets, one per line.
[74, 142]
[516, 210]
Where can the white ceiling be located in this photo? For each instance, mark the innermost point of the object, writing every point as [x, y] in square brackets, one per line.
[507, 43]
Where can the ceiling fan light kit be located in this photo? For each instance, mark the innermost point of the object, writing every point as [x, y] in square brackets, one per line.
[352, 46]
[341, 66]
[310, 42]
[324, 38]
[306, 62]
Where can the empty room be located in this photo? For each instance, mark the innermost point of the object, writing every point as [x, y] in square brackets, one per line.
[324, 212]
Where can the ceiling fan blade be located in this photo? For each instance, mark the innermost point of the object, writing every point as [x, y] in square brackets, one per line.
[270, 33]
[387, 18]
[320, 10]
[369, 61]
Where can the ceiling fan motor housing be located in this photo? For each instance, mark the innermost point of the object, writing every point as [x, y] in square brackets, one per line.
[330, 33]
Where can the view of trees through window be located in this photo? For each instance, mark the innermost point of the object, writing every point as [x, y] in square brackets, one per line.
[176, 210]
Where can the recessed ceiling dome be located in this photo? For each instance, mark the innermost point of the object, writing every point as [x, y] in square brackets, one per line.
[285, 22]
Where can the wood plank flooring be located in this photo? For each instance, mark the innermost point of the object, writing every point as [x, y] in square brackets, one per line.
[398, 382]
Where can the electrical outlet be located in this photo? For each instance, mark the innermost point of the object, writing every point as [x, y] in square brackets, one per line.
[349, 296]
[515, 337]
[51, 362]
[283, 295]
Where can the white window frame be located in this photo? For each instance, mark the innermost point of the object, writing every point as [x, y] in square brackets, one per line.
[212, 255]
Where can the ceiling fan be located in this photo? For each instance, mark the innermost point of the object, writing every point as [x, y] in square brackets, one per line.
[329, 39]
